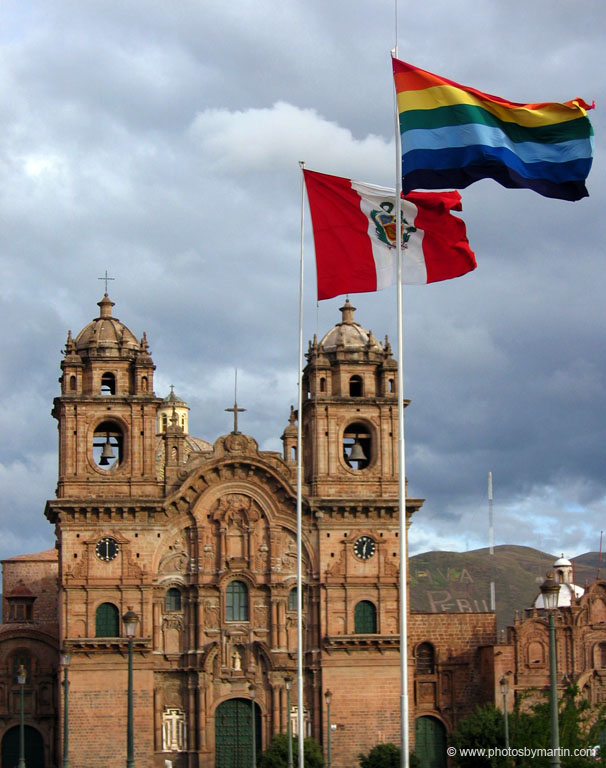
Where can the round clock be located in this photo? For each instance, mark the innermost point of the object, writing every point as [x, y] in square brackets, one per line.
[107, 549]
[364, 547]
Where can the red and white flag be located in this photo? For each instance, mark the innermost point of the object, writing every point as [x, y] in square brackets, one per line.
[355, 236]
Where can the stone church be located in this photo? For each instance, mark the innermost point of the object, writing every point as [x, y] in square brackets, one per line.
[198, 540]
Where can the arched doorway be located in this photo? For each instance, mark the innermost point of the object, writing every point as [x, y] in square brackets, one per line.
[34, 747]
[430, 742]
[233, 733]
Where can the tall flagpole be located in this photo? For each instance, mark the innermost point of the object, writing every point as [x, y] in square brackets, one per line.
[404, 698]
[300, 712]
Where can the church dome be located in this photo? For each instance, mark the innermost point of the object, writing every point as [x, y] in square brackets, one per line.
[568, 590]
[106, 332]
[348, 335]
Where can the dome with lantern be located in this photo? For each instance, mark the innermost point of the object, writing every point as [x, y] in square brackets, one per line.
[562, 575]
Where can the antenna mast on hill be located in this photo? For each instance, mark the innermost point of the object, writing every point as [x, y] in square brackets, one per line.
[491, 541]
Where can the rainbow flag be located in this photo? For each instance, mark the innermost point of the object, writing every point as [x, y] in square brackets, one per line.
[453, 135]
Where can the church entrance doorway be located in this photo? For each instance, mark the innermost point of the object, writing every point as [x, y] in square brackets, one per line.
[430, 742]
[34, 748]
[233, 733]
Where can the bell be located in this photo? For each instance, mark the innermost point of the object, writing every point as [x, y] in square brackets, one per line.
[106, 454]
[357, 453]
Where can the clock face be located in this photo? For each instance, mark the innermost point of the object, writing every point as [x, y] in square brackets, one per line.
[107, 549]
[364, 547]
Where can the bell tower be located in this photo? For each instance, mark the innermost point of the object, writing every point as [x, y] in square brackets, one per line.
[350, 413]
[106, 412]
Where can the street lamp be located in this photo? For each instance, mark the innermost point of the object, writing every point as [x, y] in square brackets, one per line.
[504, 690]
[21, 679]
[550, 590]
[288, 683]
[65, 659]
[253, 690]
[130, 620]
[328, 697]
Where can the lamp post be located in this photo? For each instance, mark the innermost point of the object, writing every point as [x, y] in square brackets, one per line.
[65, 660]
[21, 679]
[328, 697]
[504, 690]
[550, 590]
[288, 683]
[130, 620]
[253, 690]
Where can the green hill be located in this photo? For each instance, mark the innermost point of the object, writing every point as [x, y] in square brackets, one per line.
[460, 581]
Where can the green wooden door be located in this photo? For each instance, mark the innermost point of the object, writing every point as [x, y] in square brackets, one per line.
[430, 742]
[34, 748]
[233, 733]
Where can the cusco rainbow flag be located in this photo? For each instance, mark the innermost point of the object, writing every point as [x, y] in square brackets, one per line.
[453, 135]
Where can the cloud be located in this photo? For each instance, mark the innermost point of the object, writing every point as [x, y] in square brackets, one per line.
[162, 145]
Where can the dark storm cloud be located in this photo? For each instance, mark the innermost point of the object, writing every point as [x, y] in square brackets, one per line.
[163, 145]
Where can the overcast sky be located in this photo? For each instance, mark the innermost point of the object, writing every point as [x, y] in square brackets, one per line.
[160, 141]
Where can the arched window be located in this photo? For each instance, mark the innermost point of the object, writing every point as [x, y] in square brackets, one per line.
[322, 384]
[108, 384]
[72, 383]
[107, 621]
[236, 601]
[144, 384]
[355, 386]
[365, 618]
[172, 600]
[601, 656]
[425, 659]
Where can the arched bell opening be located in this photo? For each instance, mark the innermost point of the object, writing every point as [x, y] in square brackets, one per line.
[357, 446]
[108, 445]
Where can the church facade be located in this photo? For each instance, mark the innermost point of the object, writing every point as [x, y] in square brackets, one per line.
[198, 540]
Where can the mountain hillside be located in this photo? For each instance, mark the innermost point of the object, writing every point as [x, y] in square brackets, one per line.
[460, 581]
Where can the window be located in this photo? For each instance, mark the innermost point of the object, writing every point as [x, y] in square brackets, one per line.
[172, 600]
[107, 623]
[292, 599]
[72, 383]
[365, 618]
[602, 655]
[425, 659]
[236, 601]
[355, 386]
[20, 609]
[108, 384]
[322, 384]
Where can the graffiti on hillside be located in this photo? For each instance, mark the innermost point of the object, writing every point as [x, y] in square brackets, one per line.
[450, 590]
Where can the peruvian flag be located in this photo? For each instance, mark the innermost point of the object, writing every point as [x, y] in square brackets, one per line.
[354, 228]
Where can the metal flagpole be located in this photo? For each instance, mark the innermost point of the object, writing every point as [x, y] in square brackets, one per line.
[404, 698]
[300, 717]
[491, 543]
